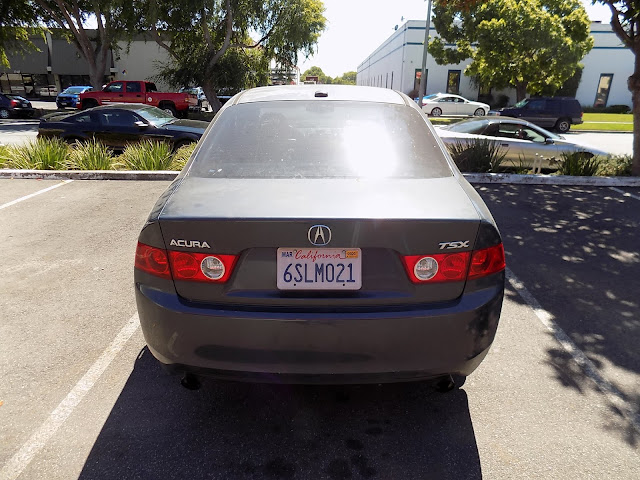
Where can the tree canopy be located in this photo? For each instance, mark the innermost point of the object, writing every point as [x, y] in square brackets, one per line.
[317, 72]
[203, 33]
[347, 78]
[529, 45]
[17, 25]
[115, 21]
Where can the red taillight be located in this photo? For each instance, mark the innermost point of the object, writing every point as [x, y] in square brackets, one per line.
[197, 267]
[201, 267]
[152, 260]
[441, 267]
[487, 261]
[454, 267]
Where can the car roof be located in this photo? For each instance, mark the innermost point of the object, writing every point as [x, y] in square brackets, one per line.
[321, 92]
[502, 119]
[123, 106]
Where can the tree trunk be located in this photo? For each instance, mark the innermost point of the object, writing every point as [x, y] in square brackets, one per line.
[210, 91]
[96, 77]
[97, 61]
[521, 91]
[633, 84]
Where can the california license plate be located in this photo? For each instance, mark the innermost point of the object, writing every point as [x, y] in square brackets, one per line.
[319, 268]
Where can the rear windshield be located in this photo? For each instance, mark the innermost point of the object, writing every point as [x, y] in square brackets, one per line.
[320, 139]
[75, 90]
[468, 126]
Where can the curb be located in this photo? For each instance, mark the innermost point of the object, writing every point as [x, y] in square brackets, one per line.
[600, 131]
[167, 175]
[475, 178]
[515, 179]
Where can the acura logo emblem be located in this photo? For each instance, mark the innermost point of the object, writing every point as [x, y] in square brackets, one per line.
[319, 235]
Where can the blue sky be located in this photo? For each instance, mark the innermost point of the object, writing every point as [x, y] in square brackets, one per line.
[357, 27]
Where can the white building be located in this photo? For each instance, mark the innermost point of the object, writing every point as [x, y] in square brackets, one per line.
[397, 64]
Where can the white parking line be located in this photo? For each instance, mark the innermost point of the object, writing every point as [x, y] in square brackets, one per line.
[27, 197]
[21, 459]
[626, 194]
[612, 393]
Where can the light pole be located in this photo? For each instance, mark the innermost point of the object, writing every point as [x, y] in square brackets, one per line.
[423, 75]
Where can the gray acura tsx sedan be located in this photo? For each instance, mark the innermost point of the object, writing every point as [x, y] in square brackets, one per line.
[320, 234]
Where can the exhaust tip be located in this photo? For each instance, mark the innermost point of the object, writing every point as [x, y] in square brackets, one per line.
[190, 382]
[445, 384]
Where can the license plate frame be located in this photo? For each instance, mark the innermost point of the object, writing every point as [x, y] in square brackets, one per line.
[337, 269]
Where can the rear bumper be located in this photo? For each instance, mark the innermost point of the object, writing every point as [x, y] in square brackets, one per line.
[333, 348]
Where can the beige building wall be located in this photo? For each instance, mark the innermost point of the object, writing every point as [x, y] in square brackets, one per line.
[140, 61]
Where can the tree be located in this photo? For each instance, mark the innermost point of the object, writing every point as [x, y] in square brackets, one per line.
[114, 20]
[208, 29]
[18, 23]
[317, 72]
[529, 45]
[347, 78]
[23, 18]
[625, 22]
[237, 69]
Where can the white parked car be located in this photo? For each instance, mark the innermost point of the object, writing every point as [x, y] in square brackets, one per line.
[448, 104]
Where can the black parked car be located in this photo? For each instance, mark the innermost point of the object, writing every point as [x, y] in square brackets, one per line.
[119, 125]
[548, 112]
[14, 106]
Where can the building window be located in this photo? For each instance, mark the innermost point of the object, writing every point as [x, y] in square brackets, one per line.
[604, 86]
[453, 82]
[416, 81]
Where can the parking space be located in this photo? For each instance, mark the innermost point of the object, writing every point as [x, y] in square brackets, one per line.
[577, 249]
[14, 191]
[82, 397]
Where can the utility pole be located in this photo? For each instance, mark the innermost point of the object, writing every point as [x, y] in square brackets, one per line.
[423, 75]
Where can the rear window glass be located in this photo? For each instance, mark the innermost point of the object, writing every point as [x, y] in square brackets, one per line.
[469, 126]
[320, 139]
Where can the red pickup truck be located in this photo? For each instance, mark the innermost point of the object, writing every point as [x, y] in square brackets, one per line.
[177, 104]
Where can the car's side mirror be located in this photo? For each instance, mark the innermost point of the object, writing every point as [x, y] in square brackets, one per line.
[141, 124]
[549, 141]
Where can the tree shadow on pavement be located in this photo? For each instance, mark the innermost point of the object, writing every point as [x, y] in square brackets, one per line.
[226, 430]
[576, 250]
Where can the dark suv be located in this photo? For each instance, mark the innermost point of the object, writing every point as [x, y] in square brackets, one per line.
[548, 112]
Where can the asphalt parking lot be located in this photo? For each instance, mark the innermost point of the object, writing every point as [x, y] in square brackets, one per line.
[557, 397]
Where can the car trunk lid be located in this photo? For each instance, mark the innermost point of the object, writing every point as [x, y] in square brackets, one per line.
[253, 218]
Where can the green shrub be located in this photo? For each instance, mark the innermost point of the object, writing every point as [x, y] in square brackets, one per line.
[478, 156]
[580, 164]
[91, 155]
[182, 155]
[615, 166]
[3, 155]
[523, 167]
[43, 154]
[146, 155]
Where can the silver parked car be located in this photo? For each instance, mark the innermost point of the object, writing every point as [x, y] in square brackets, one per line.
[524, 143]
[320, 234]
